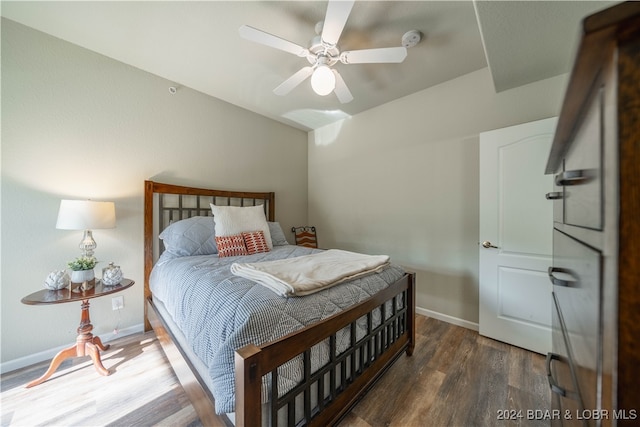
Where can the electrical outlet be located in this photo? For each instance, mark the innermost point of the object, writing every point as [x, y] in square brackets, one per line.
[117, 302]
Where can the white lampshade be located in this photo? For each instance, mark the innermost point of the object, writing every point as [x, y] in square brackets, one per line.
[323, 81]
[86, 215]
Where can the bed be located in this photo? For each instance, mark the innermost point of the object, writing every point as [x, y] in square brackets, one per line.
[310, 368]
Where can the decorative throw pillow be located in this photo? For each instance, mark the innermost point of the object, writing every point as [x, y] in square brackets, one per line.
[277, 235]
[232, 220]
[190, 236]
[231, 245]
[255, 242]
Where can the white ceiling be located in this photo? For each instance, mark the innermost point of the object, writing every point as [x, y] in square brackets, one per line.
[196, 44]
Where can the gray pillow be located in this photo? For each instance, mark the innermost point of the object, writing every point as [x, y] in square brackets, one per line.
[277, 236]
[191, 236]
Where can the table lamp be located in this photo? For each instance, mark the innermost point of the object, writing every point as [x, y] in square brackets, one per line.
[86, 215]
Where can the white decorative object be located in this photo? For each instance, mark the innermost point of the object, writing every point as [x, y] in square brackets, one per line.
[57, 279]
[111, 275]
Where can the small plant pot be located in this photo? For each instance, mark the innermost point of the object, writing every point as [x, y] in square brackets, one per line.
[82, 280]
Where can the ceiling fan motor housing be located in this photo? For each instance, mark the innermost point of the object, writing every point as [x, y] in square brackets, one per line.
[319, 50]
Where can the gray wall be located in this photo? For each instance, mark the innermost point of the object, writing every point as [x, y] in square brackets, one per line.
[402, 179]
[79, 125]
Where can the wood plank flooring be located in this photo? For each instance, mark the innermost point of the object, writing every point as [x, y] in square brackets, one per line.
[454, 378]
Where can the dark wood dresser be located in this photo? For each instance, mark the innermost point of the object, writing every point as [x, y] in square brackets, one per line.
[594, 369]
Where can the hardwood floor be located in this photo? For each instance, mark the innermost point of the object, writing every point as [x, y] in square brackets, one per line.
[454, 378]
[141, 391]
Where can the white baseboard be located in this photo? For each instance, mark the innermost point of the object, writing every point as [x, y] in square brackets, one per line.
[42, 356]
[449, 319]
[31, 359]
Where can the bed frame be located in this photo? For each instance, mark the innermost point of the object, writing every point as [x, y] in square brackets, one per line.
[343, 381]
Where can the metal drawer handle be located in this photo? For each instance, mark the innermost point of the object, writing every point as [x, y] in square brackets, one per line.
[575, 177]
[562, 276]
[552, 382]
[554, 195]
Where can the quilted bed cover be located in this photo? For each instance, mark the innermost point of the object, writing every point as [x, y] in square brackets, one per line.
[219, 312]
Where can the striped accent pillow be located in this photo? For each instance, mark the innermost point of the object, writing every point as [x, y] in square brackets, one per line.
[231, 245]
[255, 242]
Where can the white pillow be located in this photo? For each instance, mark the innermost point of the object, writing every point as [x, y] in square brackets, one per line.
[230, 220]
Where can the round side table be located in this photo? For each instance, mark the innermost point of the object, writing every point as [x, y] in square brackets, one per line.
[86, 343]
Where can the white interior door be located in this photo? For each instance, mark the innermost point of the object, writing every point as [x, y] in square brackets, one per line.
[516, 220]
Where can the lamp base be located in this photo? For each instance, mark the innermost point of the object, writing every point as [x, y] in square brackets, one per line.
[87, 245]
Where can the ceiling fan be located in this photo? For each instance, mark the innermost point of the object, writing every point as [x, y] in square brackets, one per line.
[324, 53]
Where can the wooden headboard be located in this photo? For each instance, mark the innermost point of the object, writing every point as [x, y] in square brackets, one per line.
[166, 203]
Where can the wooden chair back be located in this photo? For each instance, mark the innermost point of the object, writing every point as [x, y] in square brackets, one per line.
[305, 236]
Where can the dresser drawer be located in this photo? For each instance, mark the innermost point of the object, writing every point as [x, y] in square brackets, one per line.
[576, 278]
[580, 178]
[561, 374]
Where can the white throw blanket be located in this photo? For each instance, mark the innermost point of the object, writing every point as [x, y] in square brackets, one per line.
[307, 274]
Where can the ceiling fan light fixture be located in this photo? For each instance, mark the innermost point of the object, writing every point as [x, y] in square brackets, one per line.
[323, 81]
[323, 52]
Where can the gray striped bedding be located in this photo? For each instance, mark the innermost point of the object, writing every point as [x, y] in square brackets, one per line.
[219, 312]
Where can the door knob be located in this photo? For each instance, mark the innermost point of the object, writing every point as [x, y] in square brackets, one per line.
[487, 244]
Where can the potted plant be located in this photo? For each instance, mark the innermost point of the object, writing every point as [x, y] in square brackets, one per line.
[82, 274]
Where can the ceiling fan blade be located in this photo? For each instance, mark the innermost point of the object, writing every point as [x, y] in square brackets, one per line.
[293, 81]
[259, 36]
[336, 17]
[368, 56]
[342, 91]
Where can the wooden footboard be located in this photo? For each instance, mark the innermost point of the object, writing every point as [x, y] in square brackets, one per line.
[384, 343]
[358, 367]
